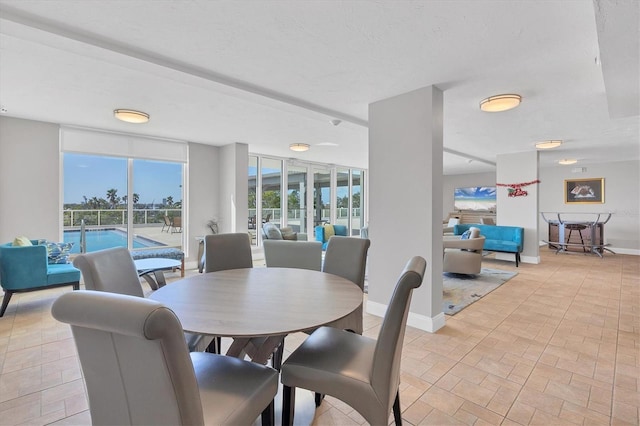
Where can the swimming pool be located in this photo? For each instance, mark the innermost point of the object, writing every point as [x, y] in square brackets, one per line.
[98, 239]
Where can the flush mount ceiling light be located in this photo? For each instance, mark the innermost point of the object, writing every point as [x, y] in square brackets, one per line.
[131, 116]
[299, 147]
[500, 103]
[548, 144]
[567, 161]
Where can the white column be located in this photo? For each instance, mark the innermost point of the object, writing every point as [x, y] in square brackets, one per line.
[405, 200]
[234, 165]
[520, 211]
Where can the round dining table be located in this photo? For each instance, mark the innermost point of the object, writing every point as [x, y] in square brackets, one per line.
[252, 303]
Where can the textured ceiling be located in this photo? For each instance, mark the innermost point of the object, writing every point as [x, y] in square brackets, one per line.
[272, 73]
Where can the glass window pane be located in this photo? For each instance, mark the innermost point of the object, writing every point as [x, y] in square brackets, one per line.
[93, 190]
[356, 202]
[321, 196]
[296, 198]
[342, 198]
[157, 203]
[271, 171]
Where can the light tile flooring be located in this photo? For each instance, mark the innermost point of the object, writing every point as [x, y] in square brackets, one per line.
[557, 344]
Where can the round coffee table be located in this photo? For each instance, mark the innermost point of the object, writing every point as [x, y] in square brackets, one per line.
[155, 266]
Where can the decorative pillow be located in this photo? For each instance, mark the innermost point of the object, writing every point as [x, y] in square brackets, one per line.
[272, 231]
[58, 252]
[475, 232]
[329, 232]
[21, 242]
[340, 230]
[466, 234]
[288, 234]
[452, 222]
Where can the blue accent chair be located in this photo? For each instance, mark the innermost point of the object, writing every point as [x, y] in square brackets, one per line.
[340, 230]
[25, 268]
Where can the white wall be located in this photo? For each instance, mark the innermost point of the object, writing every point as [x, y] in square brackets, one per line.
[30, 200]
[29, 179]
[621, 196]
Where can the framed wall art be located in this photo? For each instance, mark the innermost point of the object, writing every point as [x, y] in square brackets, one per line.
[584, 191]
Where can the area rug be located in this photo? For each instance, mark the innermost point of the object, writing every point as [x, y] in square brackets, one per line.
[460, 290]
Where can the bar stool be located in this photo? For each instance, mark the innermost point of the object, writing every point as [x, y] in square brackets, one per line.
[576, 227]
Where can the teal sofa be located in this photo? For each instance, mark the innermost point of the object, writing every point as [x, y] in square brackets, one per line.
[506, 239]
[26, 268]
[340, 230]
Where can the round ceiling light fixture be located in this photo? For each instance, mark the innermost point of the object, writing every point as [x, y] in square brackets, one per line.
[299, 147]
[567, 161]
[548, 144]
[500, 103]
[131, 116]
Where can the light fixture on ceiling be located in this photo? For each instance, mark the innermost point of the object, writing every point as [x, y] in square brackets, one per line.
[567, 161]
[548, 144]
[299, 147]
[131, 116]
[500, 103]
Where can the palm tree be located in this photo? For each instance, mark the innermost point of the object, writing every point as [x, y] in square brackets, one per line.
[112, 196]
[169, 201]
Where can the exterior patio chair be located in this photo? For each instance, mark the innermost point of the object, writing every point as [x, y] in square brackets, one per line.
[138, 371]
[360, 371]
[167, 224]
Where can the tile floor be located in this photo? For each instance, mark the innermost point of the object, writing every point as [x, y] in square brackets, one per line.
[557, 344]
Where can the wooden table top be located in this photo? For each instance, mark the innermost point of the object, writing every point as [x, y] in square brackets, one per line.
[259, 301]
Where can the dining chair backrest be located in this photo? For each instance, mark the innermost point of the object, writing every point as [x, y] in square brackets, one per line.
[227, 251]
[134, 359]
[110, 270]
[388, 352]
[347, 258]
[293, 254]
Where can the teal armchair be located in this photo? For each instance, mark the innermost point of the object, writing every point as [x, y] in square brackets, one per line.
[321, 236]
[25, 268]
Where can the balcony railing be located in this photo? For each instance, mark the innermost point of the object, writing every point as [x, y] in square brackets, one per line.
[116, 217]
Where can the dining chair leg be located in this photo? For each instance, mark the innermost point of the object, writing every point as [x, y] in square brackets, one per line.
[269, 415]
[276, 359]
[215, 346]
[288, 405]
[397, 415]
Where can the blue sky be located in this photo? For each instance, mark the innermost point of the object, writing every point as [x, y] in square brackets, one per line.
[92, 176]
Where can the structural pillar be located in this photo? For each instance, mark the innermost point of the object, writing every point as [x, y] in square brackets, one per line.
[520, 210]
[405, 200]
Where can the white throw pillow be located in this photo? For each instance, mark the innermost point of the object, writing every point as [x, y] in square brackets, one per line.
[452, 222]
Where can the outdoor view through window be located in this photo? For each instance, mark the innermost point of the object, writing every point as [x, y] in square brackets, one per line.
[96, 191]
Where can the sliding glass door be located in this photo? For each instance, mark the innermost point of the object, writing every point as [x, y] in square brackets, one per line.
[121, 202]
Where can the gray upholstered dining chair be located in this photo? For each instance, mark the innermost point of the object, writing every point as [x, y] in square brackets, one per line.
[347, 258]
[358, 370]
[112, 270]
[227, 251]
[137, 368]
[223, 252]
[293, 254]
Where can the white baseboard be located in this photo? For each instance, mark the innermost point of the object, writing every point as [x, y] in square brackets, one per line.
[414, 320]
